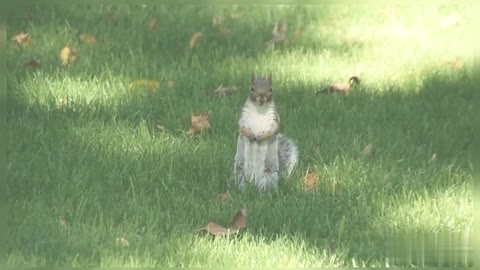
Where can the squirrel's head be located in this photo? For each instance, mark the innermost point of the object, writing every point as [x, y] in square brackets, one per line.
[261, 89]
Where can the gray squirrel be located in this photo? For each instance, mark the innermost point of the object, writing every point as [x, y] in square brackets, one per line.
[262, 152]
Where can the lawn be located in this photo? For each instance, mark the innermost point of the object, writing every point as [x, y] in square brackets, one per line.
[101, 170]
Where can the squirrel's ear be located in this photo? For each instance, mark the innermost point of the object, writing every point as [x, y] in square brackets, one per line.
[270, 78]
[253, 76]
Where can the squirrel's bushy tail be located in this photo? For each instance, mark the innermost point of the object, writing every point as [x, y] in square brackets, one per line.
[287, 154]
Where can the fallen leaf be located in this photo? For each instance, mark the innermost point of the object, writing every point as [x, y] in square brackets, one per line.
[64, 224]
[153, 24]
[310, 181]
[22, 39]
[455, 63]
[369, 150]
[225, 91]
[151, 85]
[194, 39]
[240, 219]
[121, 242]
[68, 55]
[170, 84]
[341, 87]
[199, 123]
[224, 196]
[32, 63]
[87, 38]
[279, 32]
[216, 229]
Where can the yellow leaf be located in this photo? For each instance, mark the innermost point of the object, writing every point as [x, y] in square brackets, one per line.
[68, 55]
[151, 85]
[194, 39]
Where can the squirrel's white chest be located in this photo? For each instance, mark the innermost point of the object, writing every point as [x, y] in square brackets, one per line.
[258, 121]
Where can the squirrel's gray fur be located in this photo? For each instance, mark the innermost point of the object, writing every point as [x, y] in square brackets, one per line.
[262, 152]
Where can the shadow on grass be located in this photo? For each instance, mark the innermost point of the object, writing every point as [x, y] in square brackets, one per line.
[404, 125]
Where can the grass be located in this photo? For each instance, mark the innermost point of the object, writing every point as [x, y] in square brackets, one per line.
[100, 162]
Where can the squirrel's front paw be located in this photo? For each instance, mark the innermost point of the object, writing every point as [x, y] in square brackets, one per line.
[247, 132]
[264, 136]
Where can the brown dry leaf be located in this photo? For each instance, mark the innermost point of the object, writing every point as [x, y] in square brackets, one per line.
[170, 84]
[87, 38]
[68, 55]
[216, 229]
[199, 123]
[32, 63]
[121, 242]
[194, 39]
[341, 87]
[224, 196]
[225, 91]
[369, 150]
[279, 32]
[64, 224]
[240, 219]
[22, 39]
[153, 24]
[310, 181]
[151, 85]
[455, 63]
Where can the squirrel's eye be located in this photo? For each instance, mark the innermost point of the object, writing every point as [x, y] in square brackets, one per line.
[252, 89]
